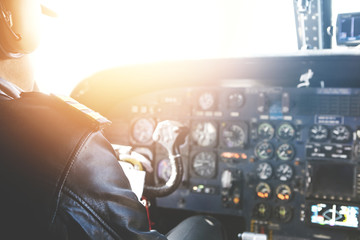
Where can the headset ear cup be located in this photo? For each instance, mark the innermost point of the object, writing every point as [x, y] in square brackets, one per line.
[19, 27]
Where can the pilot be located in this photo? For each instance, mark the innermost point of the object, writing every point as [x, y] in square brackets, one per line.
[59, 176]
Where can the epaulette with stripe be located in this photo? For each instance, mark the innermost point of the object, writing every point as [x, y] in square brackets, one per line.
[79, 108]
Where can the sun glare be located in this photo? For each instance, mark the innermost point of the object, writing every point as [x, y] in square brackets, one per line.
[92, 35]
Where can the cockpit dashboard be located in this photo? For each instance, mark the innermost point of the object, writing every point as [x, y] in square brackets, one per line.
[273, 143]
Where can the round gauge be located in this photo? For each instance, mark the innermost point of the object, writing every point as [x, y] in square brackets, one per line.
[285, 152]
[264, 171]
[264, 150]
[265, 131]
[204, 164]
[356, 150]
[286, 131]
[234, 136]
[262, 211]
[263, 190]
[284, 172]
[206, 101]
[340, 134]
[236, 100]
[282, 213]
[142, 130]
[318, 133]
[204, 134]
[283, 192]
[164, 170]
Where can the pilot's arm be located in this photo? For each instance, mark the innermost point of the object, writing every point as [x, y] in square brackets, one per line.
[63, 175]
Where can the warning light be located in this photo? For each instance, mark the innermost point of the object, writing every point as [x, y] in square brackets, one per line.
[263, 195]
[233, 155]
[236, 200]
[230, 155]
[283, 197]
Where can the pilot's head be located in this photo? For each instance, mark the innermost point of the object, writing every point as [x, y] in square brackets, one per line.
[19, 36]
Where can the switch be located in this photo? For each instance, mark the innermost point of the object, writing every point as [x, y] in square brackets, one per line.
[262, 103]
[226, 179]
[285, 102]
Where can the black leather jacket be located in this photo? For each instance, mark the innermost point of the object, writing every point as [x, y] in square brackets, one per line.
[59, 177]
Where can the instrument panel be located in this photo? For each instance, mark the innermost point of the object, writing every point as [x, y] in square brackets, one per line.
[284, 159]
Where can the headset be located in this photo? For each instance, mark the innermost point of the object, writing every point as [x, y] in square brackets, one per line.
[19, 27]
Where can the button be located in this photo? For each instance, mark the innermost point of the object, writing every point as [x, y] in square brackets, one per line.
[236, 200]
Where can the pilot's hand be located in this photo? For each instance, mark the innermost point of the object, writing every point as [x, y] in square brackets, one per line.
[125, 154]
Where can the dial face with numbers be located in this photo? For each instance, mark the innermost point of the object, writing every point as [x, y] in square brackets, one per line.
[164, 170]
[286, 131]
[204, 164]
[142, 130]
[264, 150]
[263, 190]
[234, 135]
[285, 152]
[204, 133]
[236, 100]
[356, 150]
[264, 170]
[283, 192]
[318, 133]
[206, 101]
[284, 172]
[265, 131]
[340, 134]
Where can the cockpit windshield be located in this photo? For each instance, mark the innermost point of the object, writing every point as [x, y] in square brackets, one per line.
[88, 36]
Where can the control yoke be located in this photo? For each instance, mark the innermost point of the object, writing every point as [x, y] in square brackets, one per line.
[169, 134]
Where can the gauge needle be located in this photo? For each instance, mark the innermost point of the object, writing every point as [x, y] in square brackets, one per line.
[263, 169]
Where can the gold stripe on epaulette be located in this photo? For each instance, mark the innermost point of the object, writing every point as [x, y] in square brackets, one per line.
[87, 112]
[65, 98]
[79, 106]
